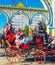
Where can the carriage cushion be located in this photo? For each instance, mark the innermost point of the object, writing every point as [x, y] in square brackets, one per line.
[24, 46]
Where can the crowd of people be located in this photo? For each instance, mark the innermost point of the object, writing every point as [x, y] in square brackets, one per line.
[18, 37]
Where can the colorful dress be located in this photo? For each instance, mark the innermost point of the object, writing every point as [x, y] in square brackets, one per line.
[18, 40]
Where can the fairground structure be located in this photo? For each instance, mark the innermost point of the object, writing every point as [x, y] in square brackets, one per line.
[20, 15]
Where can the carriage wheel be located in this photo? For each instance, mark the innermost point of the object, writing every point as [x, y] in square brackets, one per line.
[39, 57]
[12, 55]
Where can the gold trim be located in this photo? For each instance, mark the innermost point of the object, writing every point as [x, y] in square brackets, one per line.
[31, 9]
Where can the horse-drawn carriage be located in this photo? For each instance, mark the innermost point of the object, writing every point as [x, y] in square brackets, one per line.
[14, 54]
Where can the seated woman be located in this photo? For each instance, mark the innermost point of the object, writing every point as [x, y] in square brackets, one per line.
[10, 36]
[19, 38]
[27, 41]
